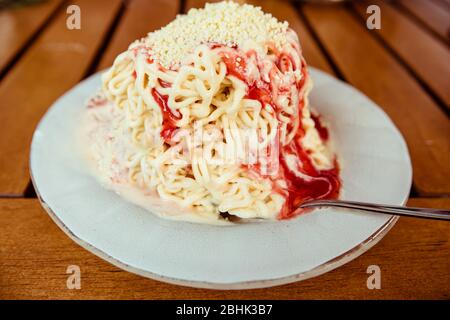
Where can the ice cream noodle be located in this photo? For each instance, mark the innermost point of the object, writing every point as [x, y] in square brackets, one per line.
[209, 117]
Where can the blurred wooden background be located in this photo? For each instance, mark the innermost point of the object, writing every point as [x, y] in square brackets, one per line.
[404, 67]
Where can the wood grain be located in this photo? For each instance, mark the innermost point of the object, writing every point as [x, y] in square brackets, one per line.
[53, 64]
[139, 18]
[431, 14]
[414, 259]
[428, 58]
[444, 4]
[17, 27]
[283, 10]
[366, 64]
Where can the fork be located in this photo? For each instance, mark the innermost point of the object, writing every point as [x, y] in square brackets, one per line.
[440, 214]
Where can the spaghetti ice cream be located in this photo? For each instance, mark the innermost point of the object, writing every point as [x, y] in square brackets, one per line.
[208, 118]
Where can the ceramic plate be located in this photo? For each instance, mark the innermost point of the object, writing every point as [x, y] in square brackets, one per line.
[375, 168]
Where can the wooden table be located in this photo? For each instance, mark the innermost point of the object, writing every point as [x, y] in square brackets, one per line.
[404, 67]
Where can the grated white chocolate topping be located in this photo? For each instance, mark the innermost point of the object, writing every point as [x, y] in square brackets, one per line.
[226, 23]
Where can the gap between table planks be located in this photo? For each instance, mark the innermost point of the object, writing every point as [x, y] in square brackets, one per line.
[19, 26]
[29, 88]
[414, 258]
[426, 57]
[433, 14]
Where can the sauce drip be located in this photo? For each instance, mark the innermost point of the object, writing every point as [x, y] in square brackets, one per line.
[164, 84]
[169, 119]
[235, 63]
[323, 131]
[311, 184]
[285, 63]
[261, 94]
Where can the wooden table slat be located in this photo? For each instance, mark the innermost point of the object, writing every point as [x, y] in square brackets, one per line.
[428, 58]
[414, 258]
[431, 14]
[139, 18]
[367, 65]
[17, 27]
[57, 61]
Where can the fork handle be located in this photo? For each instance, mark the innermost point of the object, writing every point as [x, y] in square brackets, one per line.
[439, 214]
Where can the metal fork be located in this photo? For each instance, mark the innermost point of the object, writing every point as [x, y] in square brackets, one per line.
[439, 214]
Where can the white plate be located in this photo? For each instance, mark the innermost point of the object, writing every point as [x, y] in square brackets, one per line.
[375, 168]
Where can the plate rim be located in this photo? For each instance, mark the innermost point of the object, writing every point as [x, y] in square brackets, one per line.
[325, 267]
